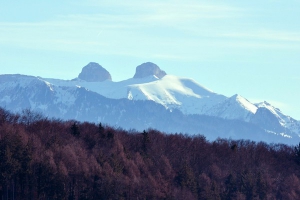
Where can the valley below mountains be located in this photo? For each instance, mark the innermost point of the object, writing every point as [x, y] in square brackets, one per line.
[151, 99]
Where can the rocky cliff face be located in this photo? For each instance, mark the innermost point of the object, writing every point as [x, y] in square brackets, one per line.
[148, 69]
[93, 72]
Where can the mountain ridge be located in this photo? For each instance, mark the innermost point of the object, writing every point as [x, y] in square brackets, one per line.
[175, 94]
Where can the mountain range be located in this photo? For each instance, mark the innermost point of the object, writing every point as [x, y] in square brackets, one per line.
[151, 99]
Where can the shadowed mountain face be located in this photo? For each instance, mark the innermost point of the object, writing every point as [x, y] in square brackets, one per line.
[148, 69]
[93, 72]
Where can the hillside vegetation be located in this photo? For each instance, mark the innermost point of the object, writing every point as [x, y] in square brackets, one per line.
[44, 158]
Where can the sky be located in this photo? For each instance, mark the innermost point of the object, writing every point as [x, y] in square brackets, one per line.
[251, 48]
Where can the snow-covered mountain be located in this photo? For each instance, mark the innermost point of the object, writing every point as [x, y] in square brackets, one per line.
[235, 107]
[179, 101]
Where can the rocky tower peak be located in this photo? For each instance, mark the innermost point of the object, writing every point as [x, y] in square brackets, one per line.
[93, 72]
[148, 69]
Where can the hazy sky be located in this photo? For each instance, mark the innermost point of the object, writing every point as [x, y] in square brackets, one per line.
[247, 47]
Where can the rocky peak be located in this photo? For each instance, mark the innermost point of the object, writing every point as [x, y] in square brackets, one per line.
[148, 69]
[93, 72]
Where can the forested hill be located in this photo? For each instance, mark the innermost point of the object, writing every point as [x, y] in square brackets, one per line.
[52, 159]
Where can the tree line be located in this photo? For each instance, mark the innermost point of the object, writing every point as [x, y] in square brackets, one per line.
[43, 158]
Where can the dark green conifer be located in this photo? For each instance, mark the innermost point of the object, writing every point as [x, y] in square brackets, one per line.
[75, 129]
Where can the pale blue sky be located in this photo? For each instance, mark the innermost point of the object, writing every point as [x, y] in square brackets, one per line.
[247, 47]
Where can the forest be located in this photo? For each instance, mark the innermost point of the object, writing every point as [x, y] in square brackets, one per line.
[42, 158]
